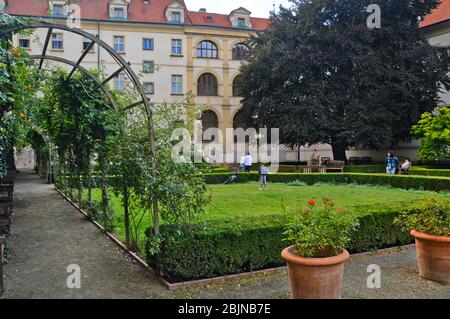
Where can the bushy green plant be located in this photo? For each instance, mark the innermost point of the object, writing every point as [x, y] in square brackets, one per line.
[320, 230]
[397, 181]
[432, 217]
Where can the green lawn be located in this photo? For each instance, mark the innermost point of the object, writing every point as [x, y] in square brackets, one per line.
[241, 200]
[247, 199]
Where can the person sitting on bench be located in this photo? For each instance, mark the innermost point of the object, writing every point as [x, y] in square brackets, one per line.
[406, 165]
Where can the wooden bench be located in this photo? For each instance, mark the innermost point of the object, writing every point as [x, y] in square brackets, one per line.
[5, 211]
[2, 247]
[5, 226]
[335, 166]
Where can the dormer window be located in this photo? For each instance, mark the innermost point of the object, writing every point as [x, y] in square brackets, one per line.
[118, 13]
[240, 18]
[118, 9]
[58, 10]
[176, 16]
[3, 4]
[175, 12]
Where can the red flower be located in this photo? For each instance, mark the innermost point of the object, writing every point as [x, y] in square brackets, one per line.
[312, 202]
[332, 204]
[327, 199]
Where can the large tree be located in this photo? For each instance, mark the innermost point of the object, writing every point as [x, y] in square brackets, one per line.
[321, 75]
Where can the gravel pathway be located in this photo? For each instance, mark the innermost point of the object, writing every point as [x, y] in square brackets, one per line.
[48, 235]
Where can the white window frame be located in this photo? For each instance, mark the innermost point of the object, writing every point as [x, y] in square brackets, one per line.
[152, 85]
[61, 39]
[119, 82]
[177, 84]
[117, 37]
[174, 45]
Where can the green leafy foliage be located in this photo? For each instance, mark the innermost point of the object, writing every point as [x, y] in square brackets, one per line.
[334, 80]
[431, 217]
[320, 230]
[432, 183]
[434, 132]
[254, 243]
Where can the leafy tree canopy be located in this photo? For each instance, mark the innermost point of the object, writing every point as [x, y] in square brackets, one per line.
[321, 75]
[434, 129]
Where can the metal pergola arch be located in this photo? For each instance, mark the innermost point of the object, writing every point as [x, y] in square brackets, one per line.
[123, 67]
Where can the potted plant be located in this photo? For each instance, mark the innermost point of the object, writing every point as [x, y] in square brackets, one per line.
[320, 234]
[430, 226]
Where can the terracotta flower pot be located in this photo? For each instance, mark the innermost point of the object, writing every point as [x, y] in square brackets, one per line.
[433, 256]
[315, 278]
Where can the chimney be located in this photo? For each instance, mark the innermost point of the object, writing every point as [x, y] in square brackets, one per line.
[202, 10]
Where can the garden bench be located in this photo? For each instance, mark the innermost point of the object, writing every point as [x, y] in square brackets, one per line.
[335, 166]
[4, 227]
[5, 211]
[6, 189]
[313, 169]
[2, 245]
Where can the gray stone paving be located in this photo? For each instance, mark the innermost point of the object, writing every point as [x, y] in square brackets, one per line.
[48, 234]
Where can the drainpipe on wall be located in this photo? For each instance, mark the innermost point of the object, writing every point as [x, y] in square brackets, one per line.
[98, 46]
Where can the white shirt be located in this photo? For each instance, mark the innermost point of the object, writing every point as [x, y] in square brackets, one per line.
[242, 160]
[406, 165]
[248, 160]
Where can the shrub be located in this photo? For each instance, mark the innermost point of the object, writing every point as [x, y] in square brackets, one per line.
[249, 244]
[320, 232]
[431, 217]
[397, 181]
[429, 172]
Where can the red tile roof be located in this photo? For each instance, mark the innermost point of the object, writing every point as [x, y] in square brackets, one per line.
[438, 15]
[138, 11]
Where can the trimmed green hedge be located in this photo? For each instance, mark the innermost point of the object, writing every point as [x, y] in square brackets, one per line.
[256, 243]
[397, 181]
[429, 172]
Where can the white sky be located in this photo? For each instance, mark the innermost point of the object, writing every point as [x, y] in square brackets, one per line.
[258, 8]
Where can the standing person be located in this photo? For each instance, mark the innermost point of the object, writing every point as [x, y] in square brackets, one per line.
[248, 162]
[242, 163]
[391, 162]
[263, 172]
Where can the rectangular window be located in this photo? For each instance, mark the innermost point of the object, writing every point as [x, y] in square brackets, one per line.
[119, 43]
[118, 13]
[58, 10]
[149, 88]
[24, 43]
[177, 84]
[147, 44]
[86, 43]
[57, 41]
[176, 47]
[241, 22]
[176, 16]
[149, 67]
[119, 82]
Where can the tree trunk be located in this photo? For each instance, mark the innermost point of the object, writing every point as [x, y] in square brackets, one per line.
[103, 187]
[339, 151]
[127, 216]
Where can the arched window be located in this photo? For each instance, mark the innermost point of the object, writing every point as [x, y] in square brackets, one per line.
[209, 120]
[236, 86]
[207, 85]
[241, 52]
[239, 120]
[208, 50]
